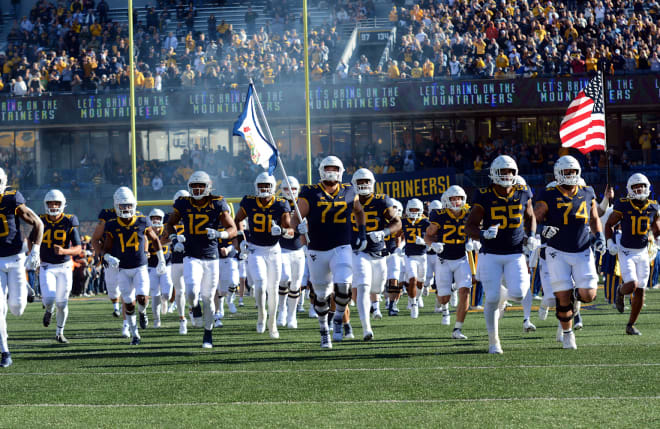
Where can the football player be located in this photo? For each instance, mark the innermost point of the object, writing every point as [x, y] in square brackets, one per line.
[205, 218]
[125, 244]
[61, 240]
[13, 262]
[413, 228]
[505, 210]
[268, 218]
[446, 236]
[327, 207]
[568, 212]
[431, 260]
[293, 264]
[229, 278]
[160, 284]
[637, 216]
[176, 268]
[369, 264]
[395, 264]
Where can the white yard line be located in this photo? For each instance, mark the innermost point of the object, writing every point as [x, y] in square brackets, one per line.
[366, 402]
[84, 373]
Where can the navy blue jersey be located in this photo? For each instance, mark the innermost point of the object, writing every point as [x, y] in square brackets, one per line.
[11, 239]
[451, 231]
[329, 216]
[153, 251]
[129, 243]
[62, 232]
[507, 211]
[570, 213]
[195, 219]
[177, 257]
[107, 214]
[374, 213]
[294, 243]
[636, 221]
[260, 218]
[411, 230]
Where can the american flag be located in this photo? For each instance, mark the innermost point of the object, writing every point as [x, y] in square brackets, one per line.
[583, 127]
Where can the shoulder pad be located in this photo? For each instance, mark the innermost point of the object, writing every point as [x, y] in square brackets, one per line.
[11, 192]
[653, 202]
[484, 190]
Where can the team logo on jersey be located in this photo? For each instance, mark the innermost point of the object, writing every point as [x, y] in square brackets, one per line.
[313, 257]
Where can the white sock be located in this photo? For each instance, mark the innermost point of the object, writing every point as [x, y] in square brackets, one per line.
[281, 302]
[207, 313]
[142, 308]
[490, 310]
[260, 298]
[272, 298]
[155, 307]
[527, 304]
[323, 322]
[339, 312]
[115, 306]
[4, 348]
[180, 300]
[291, 307]
[363, 299]
[61, 316]
[493, 338]
[458, 325]
[132, 325]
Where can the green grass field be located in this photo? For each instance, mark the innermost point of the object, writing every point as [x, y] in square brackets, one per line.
[411, 375]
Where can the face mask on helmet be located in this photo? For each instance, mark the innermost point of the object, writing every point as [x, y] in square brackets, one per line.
[503, 171]
[639, 187]
[414, 209]
[567, 171]
[265, 190]
[156, 221]
[198, 190]
[331, 169]
[199, 185]
[54, 202]
[54, 208]
[365, 187]
[125, 210]
[290, 194]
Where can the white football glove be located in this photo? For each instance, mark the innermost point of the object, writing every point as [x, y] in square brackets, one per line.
[420, 241]
[244, 246]
[612, 247]
[376, 236]
[213, 234]
[179, 247]
[161, 268]
[111, 260]
[549, 231]
[476, 245]
[275, 230]
[302, 227]
[242, 256]
[438, 247]
[533, 243]
[491, 232]
[33, 260]
[179, 238]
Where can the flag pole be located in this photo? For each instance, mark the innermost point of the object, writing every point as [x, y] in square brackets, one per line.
[279, 160]
[607, 152]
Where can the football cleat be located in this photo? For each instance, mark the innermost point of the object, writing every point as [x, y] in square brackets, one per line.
[458, 335]
[394, 311]
[31, 294]
[569, 340]
[368, 336]
[446, 319]
[274, 334]
[240, 302]
[560, 334]
[207, 341]
[495, 349]
[47, 317]
[6, 360]
[183, 327]
[261, 327]
[577, 322]
[116, 313]
[377, 314]
[172, 308]
[61, 339]
[543, 312]
[292, 324]
[156, 323]
[337, 333]
[348, 331]
[631, 330]
[135, 341]
[414, 311]
[438, 308]
[300, 308]
[620, 306]
[232, 307]
[425, 291]
[312, 313]
[281, 318]
[420, 302]
[528, 326]
[326, 343]
[125, 332]
[144, 321]
[217, 323]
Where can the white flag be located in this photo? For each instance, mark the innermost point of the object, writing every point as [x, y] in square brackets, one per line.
[262, 151]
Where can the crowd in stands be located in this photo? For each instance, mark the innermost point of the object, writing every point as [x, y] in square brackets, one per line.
[73, 46]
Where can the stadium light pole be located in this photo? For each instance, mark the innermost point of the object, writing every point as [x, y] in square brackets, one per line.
[308, 127]
[131, 80]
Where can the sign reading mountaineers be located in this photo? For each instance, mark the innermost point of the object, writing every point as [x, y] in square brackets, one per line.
[326, 101]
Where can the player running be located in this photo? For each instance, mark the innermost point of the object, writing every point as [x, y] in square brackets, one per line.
[160, 284]
[202, 215]
[568, 212]
[369, 264]
[268, 218]
[637, 215]
[176, 268]
[506, 213]
[61, 241]
[413, 228]
[327, 207]
[13, 281]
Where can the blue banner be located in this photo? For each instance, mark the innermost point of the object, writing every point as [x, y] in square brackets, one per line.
[427, 185]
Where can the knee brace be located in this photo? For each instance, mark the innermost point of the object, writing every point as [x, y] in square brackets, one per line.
[284, 288]
[130, 309]
[393, 288]
[142, 300]
[322, 307]
[61, 305]
[342, 293]
[566, 309]
[232, 288]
